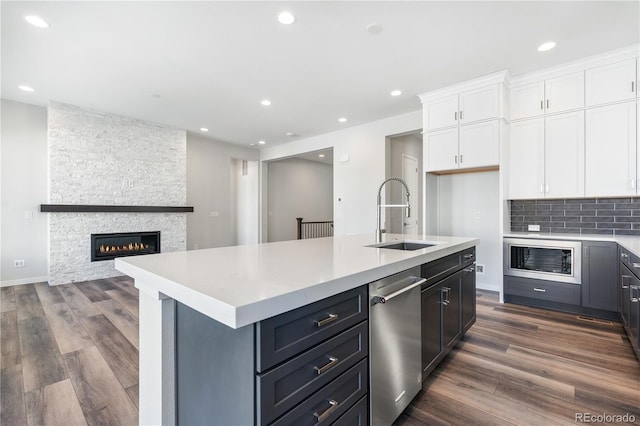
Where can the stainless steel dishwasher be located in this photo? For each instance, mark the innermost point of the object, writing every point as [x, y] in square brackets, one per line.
[395, 339]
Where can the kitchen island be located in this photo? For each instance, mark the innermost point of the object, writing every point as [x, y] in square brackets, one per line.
[236, 288]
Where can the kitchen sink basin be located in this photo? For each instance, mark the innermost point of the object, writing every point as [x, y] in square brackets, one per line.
[402, 245]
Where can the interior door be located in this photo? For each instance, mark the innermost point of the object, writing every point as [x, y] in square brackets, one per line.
[410, 176]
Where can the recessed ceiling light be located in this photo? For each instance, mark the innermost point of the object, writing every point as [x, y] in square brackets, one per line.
[374, 28]
[396, 93]
[546, 46]
[26, 88]
[253, 144]
[204, 129]
[36, 21]
[265, 102]
[342, 119]
[321, 155]
[261, 142]
[286, 18]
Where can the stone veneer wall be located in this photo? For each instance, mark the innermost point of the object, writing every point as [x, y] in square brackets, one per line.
[100, 158]
[608, 216]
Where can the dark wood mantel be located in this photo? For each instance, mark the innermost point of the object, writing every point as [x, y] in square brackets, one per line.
[92, 208]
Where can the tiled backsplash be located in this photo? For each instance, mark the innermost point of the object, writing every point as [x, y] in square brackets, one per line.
[610, 216]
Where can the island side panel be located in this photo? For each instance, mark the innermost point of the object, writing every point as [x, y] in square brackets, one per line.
[215, 371]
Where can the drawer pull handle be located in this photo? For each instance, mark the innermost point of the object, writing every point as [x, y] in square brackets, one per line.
[332, 362]
[622, 285]
[540, 290]
[468, 256]
[329, 319]
[325, 413]
[624, 255]
[636, 265]
[632, 298]
[469, 270]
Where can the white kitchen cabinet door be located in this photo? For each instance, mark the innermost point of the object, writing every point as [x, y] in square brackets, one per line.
[442, 150]
[564, 93]
[564, 155]
[479, 104]
[527, 101]
[441, 113]
[610, 150]
[479, 145]
[526, 160]
[610, 83]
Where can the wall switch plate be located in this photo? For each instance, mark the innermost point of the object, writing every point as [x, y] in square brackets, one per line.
[18, 263]
[479, 268]
[533, 227]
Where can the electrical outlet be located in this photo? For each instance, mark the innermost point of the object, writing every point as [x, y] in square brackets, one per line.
[533, 227]
[479, 268]
[18, 263]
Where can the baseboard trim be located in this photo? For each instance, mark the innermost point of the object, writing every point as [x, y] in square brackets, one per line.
[31, 280]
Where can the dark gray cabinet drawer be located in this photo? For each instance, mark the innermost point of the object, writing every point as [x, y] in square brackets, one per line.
[332, 401]
[287, 385]
[631, 260]
[440, 268]
[286, 335]
[543, 290]
[358, 415]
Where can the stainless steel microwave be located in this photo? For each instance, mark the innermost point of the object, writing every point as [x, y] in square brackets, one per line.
[551, 260]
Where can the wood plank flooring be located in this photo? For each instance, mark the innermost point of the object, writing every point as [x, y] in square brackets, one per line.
[69, 357]
[69, 354]
[527, 366]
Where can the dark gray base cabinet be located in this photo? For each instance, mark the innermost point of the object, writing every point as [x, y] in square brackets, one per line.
[448, 306]
[599, 274]
[629, 297]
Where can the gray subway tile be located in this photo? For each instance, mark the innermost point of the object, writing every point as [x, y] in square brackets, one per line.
[535, 219]
[553, 224]
[545, 229]
[613, 200]
[560, 207]
[627, 232]
[566, 230]
[581, 225]
[614, 226]
[517, 218]
[583, 213]
[555, 202]
[606, 212]
[633, 219]
[572, 218]
[598, 231]
[579, 200]
[636, 212]
[593, 206]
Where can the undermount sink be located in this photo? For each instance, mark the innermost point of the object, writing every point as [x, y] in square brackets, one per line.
[402, 245]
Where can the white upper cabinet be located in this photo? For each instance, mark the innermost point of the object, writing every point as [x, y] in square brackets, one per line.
[466, 107]
[478, 145]
[527, 100]
[526, 160]
[611, 83]
[610, 150]
[564, 93]
[564, 155]
[441, 150]
[479, 104]
[554, 95]
[441, 113]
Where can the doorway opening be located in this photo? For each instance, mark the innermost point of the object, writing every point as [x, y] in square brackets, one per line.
[297, 187]
[404, 160]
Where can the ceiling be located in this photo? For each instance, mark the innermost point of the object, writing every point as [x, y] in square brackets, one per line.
[209, 64]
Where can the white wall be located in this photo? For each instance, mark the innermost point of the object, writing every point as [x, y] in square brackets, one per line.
[297, 188]
[468, 205]
[244, 209]
[359, 167]
[24, 187]
[209, 183]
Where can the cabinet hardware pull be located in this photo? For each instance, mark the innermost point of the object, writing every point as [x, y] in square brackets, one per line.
[468, 256]
[636, 265]
[632, 298]
[460, 115]
[455, 159]
[460, 158]
[624, 255]
[384, 299]
[633, 184]
[332, 362]
[469, 270]
[547, 188]
[325, 413]
[331, 318]
[632, 86]
[455, 116]
[547, 103]
[624, 287]
[542, 188]
[539, 290]
[542, 104]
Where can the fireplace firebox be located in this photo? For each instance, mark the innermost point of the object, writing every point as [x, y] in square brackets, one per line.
[110, 246]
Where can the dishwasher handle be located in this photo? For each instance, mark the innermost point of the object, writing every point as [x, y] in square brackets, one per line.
[385, 299]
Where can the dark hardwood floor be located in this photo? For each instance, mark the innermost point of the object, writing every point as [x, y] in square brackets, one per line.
[69, 357]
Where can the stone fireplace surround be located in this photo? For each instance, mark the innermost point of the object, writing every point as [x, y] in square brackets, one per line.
[98, 158]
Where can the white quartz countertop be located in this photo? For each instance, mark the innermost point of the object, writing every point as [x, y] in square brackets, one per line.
[629, 242]
[241, 285]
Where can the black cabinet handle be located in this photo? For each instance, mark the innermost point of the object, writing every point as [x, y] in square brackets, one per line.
[334, 406]
[331, 318]
[332, 362]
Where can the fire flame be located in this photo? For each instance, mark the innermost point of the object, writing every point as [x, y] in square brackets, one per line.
[123, 248]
